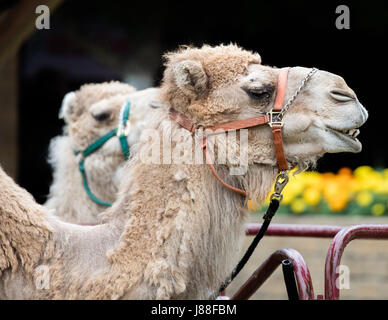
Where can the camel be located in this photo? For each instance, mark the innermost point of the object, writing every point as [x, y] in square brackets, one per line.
[89, 113]
[175, 232]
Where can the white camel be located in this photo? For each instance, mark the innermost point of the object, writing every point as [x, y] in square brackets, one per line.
[175, 232]
[89, 114]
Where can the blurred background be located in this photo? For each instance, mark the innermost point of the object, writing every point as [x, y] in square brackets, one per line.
[94, 41]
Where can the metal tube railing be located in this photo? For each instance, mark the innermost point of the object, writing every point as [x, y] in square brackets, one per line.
[341, 237]
[337, 247]
[294, 230]
[302, 275]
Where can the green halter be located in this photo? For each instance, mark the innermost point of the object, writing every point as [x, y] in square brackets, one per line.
[121, 132]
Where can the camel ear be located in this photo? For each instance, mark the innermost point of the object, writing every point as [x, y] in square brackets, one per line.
[67, 107]
[190, 77]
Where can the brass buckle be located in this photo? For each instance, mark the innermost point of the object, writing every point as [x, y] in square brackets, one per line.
[281, 181]
[275, 118]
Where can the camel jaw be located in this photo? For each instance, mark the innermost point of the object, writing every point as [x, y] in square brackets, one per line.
[347, 136]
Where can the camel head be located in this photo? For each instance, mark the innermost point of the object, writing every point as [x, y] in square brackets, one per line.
[92, 111]
[91, 117]
[212, 85]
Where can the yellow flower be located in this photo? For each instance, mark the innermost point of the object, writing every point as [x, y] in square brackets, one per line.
[382, 187]
[363, 171]
[372, 181]
[345, 171]
[331, 190]
[309, 188]
[298, 205]
[364, 198]
[355, 185]
[312, 196]
[295, 186]
[287, 198]
[311, 178]
[338, 203]
[378, 209]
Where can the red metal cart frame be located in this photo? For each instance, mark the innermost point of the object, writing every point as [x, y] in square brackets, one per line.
[337, 247]
[341, 237]
[302, 275]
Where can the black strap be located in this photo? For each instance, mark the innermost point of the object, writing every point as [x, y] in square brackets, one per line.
[272, 208]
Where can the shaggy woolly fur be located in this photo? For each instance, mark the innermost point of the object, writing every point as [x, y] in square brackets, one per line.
[174, 231]
[81, 111]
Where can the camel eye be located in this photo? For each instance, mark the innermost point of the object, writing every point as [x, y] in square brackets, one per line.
[102, 116]
[259, 94]
[263, 93]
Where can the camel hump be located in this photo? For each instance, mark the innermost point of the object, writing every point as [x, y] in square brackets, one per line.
[22, 223]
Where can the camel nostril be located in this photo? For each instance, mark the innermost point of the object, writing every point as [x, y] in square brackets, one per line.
[341, 95]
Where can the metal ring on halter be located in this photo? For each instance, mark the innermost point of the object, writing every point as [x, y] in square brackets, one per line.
[277, 196]
[124, 121]
[275, 118]
[279, 186]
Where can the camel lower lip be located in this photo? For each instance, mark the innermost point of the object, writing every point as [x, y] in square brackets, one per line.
[352, 142]
[346, 135]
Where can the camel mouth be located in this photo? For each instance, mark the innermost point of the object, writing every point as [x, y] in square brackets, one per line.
[349, 136]
[350, 133]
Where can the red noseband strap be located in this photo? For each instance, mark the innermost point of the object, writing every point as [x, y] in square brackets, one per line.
[273, 118]
[277, 127]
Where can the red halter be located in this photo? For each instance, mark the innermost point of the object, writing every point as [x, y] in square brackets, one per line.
[272, 118]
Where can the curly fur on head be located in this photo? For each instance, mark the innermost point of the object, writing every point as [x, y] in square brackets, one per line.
[67, 194]
[77, 102]
[216, 67]
[222, 64]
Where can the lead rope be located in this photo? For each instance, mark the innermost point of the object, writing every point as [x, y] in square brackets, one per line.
[274, 119]
[275, 199]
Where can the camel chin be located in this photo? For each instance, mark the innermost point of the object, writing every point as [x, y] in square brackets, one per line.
[341, 136]
[320, 138]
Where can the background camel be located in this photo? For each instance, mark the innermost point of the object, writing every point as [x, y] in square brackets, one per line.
[175, 232]
[90, 113]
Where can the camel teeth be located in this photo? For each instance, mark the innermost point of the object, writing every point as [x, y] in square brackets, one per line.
[356, 133]
[352, 132]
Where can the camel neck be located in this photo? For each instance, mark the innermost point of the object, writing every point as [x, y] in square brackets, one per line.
[181, 218]
[67, 194]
